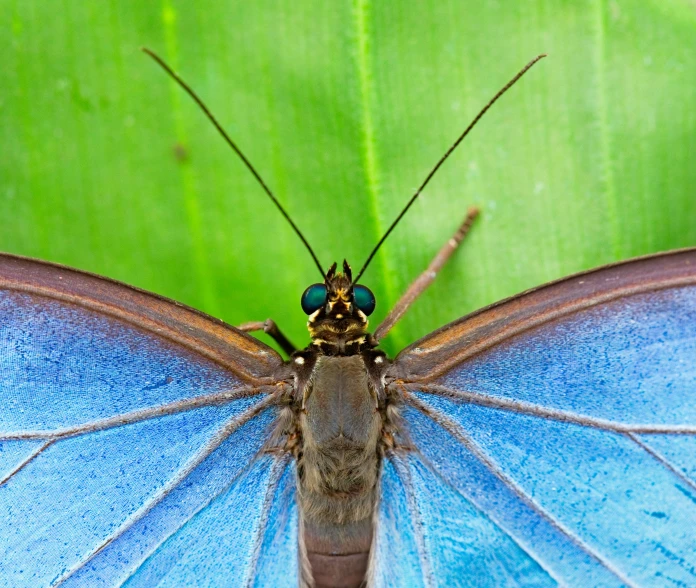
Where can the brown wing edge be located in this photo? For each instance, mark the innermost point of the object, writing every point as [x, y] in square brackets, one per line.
[457, 341]
[248, 358]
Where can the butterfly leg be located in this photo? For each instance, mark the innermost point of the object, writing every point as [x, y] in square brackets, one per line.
[270, 328]
[426, 278]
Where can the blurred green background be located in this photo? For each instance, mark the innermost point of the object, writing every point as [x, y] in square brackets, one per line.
[344, 107]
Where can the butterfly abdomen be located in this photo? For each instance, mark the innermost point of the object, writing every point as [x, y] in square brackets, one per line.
[338, 468]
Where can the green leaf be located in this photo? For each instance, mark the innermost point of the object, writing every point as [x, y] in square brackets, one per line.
[344, 107]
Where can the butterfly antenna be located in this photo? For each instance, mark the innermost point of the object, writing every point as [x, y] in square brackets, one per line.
[236, 149]
[502, 91]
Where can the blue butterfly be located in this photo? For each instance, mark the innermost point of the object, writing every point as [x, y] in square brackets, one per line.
[548, 439]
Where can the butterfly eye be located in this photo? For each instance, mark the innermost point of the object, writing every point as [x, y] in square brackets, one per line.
[364, 299]
[313, 298]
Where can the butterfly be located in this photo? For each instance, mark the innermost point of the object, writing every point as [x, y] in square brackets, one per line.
[547, 439]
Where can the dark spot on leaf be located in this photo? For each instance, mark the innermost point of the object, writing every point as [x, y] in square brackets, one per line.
[180, 153]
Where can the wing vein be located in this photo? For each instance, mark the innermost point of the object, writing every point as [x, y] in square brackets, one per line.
[405, 475]
[435, 470]
[27, 460]
[555, 414]
[279, 465]
[206, 450]
[661, 459]
[456, 431]
[200, 508]
[139, 415]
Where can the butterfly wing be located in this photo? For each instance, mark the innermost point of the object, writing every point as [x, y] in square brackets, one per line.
[555, 437]
[131, 438]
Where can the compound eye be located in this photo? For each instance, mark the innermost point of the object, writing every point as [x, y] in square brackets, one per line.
[313, 298]
[364, 299]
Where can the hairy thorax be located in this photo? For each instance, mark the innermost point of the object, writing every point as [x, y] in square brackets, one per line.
[340, 428]
[338, 467]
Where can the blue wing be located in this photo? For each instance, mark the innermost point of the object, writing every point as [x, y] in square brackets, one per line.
[129, 455]
[243, 538]
[562, 449]
[429, 534]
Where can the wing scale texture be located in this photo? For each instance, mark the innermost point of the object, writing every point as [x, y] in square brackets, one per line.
[127, 422]
[570, 425]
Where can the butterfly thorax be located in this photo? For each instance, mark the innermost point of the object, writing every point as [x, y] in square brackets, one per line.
[339, 431]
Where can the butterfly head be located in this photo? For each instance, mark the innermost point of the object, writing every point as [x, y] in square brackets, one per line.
[338, 311]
